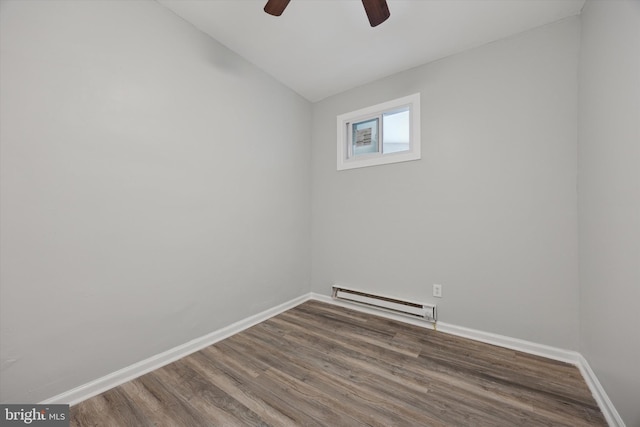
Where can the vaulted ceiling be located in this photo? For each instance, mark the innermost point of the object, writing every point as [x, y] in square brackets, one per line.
[323, 47]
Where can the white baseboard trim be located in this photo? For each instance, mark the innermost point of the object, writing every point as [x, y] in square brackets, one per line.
[543, 350]
[474, 334]
[572, 357]
[131, 372]
[365, 309]
[606, 406]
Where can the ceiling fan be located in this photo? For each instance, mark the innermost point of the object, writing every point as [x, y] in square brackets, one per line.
[377, 10]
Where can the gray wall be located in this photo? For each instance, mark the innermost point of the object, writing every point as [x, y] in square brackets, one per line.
[490, 212]
[609, 199]
[155, 187]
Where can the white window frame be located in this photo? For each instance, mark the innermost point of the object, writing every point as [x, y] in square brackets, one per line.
[345, 158]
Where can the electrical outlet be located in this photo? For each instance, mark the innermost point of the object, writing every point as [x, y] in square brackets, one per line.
[437, 291]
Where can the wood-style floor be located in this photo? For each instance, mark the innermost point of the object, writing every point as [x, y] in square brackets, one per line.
[319, 364]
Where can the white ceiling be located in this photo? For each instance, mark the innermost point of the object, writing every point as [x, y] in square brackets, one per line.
[323, 47]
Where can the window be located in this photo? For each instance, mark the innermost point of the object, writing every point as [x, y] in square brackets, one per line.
[381, 134]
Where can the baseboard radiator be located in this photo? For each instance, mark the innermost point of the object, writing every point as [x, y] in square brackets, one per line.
[416, 310]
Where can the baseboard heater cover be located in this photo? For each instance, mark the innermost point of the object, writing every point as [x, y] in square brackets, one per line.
[418, 310]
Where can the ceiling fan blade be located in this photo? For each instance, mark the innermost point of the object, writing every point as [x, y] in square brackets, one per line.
[276, 7]
[377, 11]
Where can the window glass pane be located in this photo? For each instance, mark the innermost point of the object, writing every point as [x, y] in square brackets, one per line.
[395, 131]
[365, 137]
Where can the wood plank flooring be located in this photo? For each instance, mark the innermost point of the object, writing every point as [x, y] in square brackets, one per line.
[323, 365]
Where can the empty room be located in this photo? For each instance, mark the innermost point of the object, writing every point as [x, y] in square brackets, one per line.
[314, 212]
